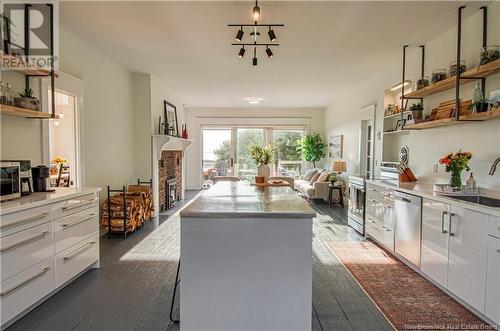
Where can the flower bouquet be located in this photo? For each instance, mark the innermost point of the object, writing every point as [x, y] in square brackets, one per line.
[456, 163]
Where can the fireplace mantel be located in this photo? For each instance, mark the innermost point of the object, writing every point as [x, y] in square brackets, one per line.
[167, 143]
[161, 143]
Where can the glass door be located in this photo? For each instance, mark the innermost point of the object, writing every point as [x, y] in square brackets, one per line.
[287, 161]
[245, 167]
[217, 154]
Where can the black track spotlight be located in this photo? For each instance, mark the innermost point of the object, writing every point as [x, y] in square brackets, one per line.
[272, 35]
[242, 52]
[239, 34]
[254, 61]
[269, 52]
[256, 12]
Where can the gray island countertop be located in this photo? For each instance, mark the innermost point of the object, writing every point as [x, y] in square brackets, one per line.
[238, 199]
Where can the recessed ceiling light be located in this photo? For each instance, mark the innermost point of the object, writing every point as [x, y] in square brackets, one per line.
[254, 100]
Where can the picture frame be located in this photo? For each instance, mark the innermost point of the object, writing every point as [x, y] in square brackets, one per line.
[170, 115]
[336, 146]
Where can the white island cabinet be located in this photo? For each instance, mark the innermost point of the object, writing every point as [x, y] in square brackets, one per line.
[246, 260]
[492, 309]
[47, 239]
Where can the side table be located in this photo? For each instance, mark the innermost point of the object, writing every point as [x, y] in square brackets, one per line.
[333, 187]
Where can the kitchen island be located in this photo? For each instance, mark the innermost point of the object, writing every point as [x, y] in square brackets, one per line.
[246, 259]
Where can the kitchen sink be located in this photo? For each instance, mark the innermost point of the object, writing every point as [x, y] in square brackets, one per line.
[479, 199]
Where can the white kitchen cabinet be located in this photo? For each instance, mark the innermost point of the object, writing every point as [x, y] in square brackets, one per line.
[494, 226]
[468, 234]
[435, 224]
[492, 307]
[379, 215]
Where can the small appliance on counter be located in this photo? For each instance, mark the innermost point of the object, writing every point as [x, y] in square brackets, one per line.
[24, 175]
[41, 177]
[10, 187]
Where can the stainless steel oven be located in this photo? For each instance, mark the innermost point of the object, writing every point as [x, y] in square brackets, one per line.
[356, 211]
[10, 180]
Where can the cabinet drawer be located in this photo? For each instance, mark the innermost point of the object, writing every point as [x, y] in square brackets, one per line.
[492, 308]
[21, 250]
[75, 259]
[494, 228]
[74, 228]
[24, 289]
[77, 204]
[24, 219]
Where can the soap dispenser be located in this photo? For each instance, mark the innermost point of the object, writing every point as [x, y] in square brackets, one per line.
[470, 185]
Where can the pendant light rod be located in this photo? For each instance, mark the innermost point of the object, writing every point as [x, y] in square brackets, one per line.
[254, 44]
[256, 24]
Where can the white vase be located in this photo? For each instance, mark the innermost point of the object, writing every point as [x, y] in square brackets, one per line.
[264, 171]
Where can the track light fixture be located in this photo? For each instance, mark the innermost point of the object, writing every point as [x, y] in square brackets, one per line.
[242, 52]
[255, 34]
[272, 35]
[239, 34]
[269, 52]
[256, 12]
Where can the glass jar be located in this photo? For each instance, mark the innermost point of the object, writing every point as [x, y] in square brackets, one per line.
[453, 67]
[489, 53]
[422, 82]
[438, 75]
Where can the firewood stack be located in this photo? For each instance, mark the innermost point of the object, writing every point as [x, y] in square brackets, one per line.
[138, 207]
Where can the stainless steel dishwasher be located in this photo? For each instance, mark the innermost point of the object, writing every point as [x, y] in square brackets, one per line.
[408, 229]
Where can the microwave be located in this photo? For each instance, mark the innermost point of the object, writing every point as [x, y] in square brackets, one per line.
[10, 187]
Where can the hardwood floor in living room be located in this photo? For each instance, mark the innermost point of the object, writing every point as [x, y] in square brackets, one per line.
[133, 288]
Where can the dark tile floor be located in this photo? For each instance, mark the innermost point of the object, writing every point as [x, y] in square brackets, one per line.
[132, 290]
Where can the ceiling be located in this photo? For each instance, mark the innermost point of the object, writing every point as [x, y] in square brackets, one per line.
[326, 47]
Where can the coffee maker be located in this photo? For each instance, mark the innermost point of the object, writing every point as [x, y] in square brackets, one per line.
[41, 176]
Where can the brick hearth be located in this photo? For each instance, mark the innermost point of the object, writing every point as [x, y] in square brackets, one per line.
[170, 165]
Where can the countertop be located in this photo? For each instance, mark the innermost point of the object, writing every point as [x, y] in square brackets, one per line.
[238, 199]
[426, 190]
[43, 198]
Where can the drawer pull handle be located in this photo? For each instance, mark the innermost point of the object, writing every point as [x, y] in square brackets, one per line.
[25, 241]
[69, 225]
[372, 200]
[26, 282]
[78, 205]
[387, 206]
[372, 189]
[79, 251]
[29, 219]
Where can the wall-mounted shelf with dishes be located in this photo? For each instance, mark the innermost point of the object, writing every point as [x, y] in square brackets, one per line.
[26, 113]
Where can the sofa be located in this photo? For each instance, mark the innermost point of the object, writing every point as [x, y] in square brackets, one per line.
[314, 184]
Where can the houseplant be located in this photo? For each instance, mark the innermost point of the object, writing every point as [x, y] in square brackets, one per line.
[262, 156]
[26, 100]
[416, 110]
[312, 148]
[456, 163]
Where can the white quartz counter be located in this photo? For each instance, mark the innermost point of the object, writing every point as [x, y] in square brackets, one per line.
[238, 199]
[43, 198]
[426, 190]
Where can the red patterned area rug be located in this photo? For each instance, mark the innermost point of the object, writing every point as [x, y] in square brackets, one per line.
[409, 301]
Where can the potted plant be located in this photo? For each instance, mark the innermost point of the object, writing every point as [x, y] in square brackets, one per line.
[26, 100]
[456, 163]
[262, 156]
[311, 148]
[417, 110]
[479, 103]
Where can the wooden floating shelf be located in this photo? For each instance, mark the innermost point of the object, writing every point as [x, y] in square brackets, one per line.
[396, 132]
[490, 115]
[449, 83]
[14, 63]
[26, 113]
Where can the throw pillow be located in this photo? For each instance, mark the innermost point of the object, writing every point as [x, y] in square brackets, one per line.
[310, 174]
[315, 177]
[323, 177]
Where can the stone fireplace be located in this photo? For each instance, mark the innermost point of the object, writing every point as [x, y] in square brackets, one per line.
[169, 169]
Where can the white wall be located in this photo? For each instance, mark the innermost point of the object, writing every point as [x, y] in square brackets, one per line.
[108, 117]
[142, 125]
[198, 117]
[427, 146]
